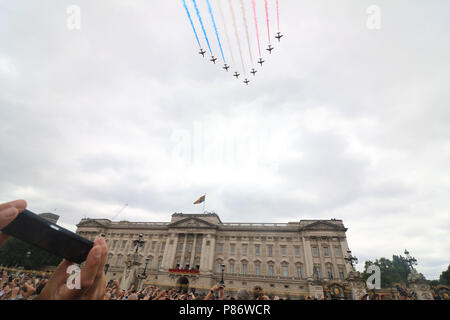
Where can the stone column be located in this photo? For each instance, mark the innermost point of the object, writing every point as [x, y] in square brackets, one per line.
[183, 253]
[207, 256]
[308, 258]
[170, 251]
[323, 267]
[334, 261]
[212, 250]
[194, 246]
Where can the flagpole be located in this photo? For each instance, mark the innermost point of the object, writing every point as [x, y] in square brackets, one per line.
[204, 203]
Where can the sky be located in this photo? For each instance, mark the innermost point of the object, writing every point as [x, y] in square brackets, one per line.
[348, 118]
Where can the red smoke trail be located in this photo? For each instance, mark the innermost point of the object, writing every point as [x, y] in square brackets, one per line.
[256, 25]
[267, 17]
[278, 16]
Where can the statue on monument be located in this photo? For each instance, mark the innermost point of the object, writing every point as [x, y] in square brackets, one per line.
[132, 264]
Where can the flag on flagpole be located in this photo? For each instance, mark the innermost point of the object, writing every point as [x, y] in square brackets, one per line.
[200, 200]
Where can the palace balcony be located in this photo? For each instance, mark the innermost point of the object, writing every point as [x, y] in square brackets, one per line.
[184, 271]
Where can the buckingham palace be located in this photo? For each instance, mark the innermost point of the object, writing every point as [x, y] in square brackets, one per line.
[198, 250]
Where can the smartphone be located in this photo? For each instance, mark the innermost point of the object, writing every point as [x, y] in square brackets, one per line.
[37, 231]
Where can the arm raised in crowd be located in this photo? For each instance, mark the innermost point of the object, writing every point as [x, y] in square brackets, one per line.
[211, 292]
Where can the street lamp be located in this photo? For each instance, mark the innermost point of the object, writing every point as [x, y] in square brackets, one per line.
[144, 274]
[223, 270]
[351, 259]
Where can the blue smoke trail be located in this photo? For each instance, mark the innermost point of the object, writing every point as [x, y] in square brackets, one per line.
[203, 27]
[215, 28]
[192, 23]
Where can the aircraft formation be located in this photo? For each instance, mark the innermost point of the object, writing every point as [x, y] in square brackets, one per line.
[242, 31]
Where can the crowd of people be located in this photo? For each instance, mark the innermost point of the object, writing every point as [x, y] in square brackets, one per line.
[28, 286]
[21, 286]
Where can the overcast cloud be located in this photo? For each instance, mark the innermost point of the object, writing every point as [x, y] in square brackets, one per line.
[342, 122]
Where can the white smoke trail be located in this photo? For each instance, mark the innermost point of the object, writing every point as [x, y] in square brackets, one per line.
[226, 32]
[246, 32]
[237, 36]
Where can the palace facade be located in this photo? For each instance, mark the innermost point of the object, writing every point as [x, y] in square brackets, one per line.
[196, 250]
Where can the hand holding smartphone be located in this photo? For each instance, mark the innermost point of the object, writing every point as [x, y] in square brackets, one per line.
[37, 231]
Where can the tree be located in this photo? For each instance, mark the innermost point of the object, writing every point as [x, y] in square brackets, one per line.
[18, 253]
[392, 272]
[445, 277]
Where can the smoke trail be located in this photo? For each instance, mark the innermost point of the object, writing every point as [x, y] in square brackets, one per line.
[256, 26]
[237, 36]
[201, 22]
[278, 16]
[244, 15]
[267, 17]
[192, 23]
[226, 31]
[215, 28]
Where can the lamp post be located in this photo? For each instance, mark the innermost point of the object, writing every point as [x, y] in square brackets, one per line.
[351, 259]
[144, 274]
[223, 270]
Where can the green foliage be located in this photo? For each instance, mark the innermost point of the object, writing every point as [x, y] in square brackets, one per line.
[14, 253]
[392, 272]
[445, 277]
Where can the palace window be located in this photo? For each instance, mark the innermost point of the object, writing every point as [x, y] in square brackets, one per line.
[326, 253]
[315, 251]
[231, 267]
[297, 251]
[114, 244]
[299, 272]
[285, 271]
[163, 246]
[220, 248]
[257, 249]
[124, 243]
[189, 247]
[317, 273]
[271, 270]
[232, 248]
[341, 273]
[330, 273]
[244, 249]
[118, 261]
[149, 263]
[257, 269]
[283, 250]
[159, 263]
[270, 251]
[337, 251]
[153, 245]
[244, 268]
